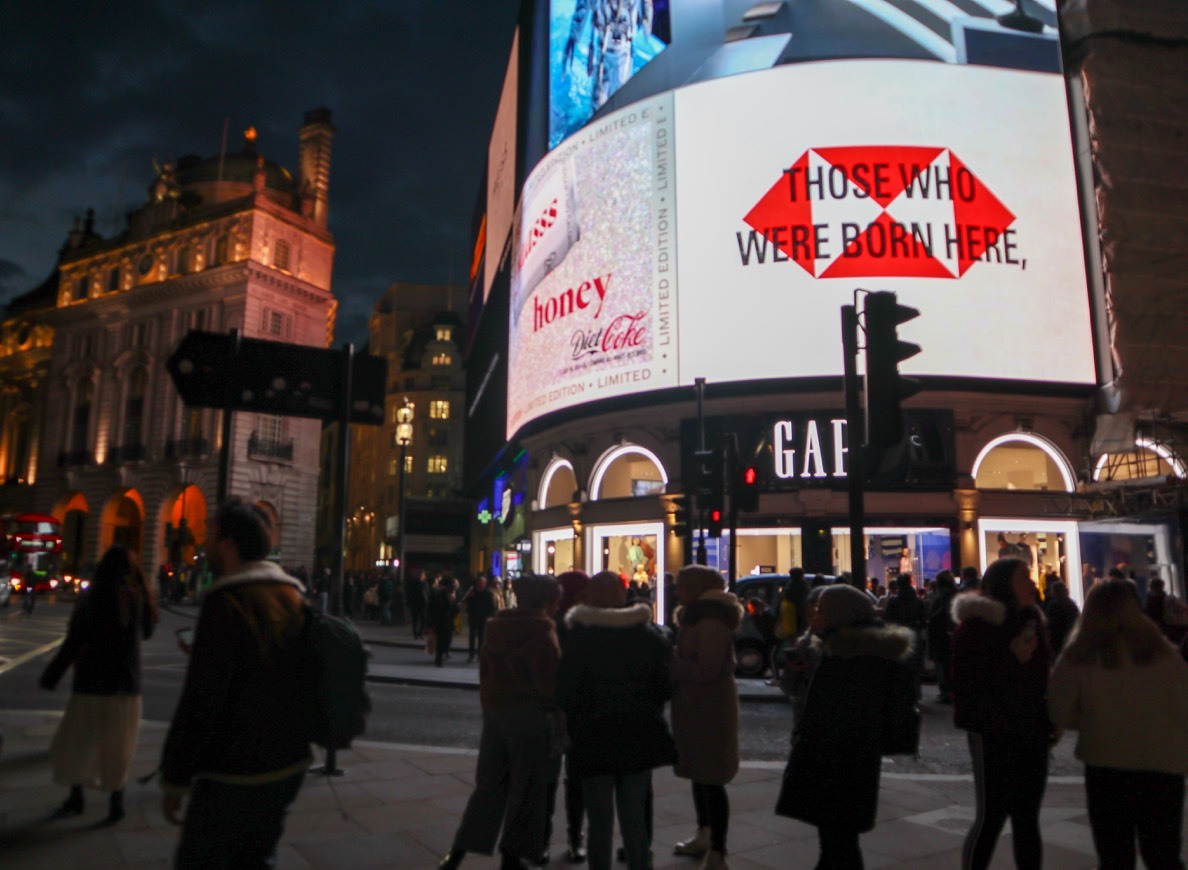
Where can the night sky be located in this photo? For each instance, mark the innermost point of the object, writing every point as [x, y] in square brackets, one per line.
[92, 93]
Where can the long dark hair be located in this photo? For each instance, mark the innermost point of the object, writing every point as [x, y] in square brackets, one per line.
[998, 582]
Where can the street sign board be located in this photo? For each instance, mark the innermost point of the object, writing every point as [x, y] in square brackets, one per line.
[212, 370]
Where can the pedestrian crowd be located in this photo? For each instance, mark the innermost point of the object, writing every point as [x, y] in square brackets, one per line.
[576, 676]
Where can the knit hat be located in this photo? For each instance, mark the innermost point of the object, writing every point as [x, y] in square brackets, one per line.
[573, 586]
[841, 605]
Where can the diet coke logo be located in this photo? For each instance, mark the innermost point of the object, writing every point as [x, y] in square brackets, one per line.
[625, 332]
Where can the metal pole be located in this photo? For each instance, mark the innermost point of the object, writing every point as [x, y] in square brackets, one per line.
[225, 434]
[699, 387]
[340, 484]
[732, 479]
[400, 577]
[854, 438]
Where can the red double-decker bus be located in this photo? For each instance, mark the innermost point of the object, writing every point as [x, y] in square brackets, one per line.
[31, 547]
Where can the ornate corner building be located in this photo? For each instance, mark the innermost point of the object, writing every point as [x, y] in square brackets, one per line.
[93, 430]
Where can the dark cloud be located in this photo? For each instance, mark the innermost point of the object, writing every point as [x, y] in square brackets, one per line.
[91, 94]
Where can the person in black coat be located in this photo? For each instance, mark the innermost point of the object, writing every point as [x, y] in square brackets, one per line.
[480, 606]
[614, 679]
[416, 592]
[1062, 613]
[96, 738]
[442, 609]
[940, 634]
[832, 777]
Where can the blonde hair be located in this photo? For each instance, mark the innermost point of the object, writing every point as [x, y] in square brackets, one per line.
[1112, 624]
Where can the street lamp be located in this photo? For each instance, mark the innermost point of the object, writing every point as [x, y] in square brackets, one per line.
[404, 434]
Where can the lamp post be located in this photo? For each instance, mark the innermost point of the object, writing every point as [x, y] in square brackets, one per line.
[404, 434]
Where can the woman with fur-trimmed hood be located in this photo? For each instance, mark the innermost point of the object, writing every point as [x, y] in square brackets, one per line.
[614, 681]
[1001, 658]
[705, 705]
[832, 777]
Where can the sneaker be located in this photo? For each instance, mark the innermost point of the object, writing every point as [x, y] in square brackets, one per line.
[695, 846]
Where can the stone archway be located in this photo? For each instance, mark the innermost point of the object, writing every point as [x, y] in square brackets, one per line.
[122, 522]
[72, 512]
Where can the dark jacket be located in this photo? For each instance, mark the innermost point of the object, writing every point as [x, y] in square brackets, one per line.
[1062, 616]
[442, 608]
[906, 609]
[240, 716]
[518, 662]
[994, 694]
[103, 641]
[832, 777]
[705, 695]
[480, 605]
[614, 682]
[940, 623]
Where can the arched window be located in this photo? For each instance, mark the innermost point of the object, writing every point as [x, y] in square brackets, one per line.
[1149, 458]
[134, 409]
[557, 485]
[82, 416]
[626, 471]
[1023, 461]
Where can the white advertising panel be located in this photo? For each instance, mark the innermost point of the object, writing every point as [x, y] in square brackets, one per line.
[501, 169]
[950, 185]
[592, 283]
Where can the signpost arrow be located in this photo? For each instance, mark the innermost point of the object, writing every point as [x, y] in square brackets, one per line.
[201, 368]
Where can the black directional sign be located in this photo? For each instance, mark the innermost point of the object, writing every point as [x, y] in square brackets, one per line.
[214, 370]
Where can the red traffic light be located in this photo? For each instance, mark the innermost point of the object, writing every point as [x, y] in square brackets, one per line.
[750, 476]
[715, 516]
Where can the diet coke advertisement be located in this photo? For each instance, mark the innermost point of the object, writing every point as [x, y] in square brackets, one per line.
[592, 289]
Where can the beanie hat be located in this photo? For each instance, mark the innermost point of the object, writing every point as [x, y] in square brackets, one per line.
[842, 605]
[573, 586]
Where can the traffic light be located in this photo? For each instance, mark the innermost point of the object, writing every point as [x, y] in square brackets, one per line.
[713, 489]
[746, 490]
[680, 516]
[713, 521]
[885, 387]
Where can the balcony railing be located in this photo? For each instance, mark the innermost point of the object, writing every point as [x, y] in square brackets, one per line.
[125, 453]
[269, 448]
[184, 448]
[68, 458]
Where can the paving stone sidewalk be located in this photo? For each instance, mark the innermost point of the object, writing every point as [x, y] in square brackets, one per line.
[398, 806]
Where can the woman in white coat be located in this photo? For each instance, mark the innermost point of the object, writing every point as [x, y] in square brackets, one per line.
[1124, 689]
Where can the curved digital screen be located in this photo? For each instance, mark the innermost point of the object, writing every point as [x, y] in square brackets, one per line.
[715, 231]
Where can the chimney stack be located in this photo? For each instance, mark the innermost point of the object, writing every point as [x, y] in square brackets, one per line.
[317, 134]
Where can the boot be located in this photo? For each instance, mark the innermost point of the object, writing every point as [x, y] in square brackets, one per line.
[451, 860]
[115, 807]
[696, 846]
[714, 860]
[73, 805]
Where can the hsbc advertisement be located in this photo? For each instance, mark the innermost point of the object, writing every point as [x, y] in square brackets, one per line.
[950, 185]
[716, 231]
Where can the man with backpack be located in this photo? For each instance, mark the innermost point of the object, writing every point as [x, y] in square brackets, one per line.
[238, 745]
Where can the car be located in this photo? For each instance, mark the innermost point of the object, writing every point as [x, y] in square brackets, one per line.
[750, 646]
[5, 586]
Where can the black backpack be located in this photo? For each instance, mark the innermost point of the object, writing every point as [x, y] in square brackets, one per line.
[334, 676]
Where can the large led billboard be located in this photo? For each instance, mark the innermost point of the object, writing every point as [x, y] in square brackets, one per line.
[595, 46]
[715, 230]
[501, 169]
